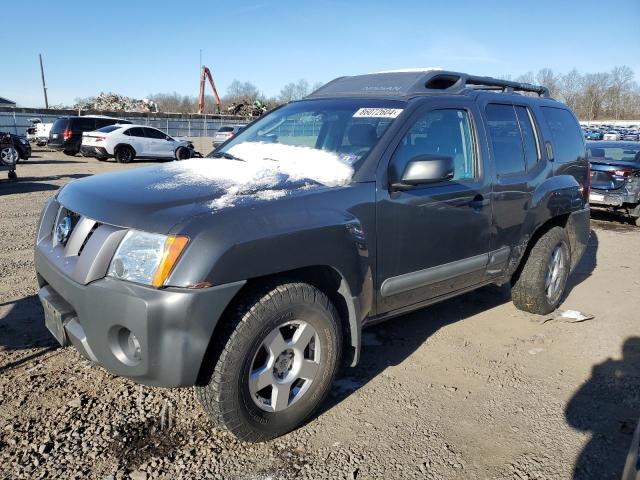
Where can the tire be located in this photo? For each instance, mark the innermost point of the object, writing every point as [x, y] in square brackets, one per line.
[636, 221]
[13, 176]
[540, 286]
[9, 155]
[253, 411]
[183, 153]
[125, 154]
[71, 153]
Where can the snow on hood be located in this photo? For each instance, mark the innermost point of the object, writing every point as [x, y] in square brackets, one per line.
[265, 174]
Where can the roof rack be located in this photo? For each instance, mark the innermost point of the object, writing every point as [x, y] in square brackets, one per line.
[415, 82]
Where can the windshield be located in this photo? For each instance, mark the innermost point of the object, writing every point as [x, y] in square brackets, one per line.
[624, 153]
[344, 129]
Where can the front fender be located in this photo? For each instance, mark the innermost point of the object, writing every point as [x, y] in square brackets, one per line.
[320, 227]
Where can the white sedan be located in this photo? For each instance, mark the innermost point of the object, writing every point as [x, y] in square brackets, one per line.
[126, 142]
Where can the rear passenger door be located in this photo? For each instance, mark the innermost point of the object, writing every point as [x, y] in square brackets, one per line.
[518, 167]
[137, 140]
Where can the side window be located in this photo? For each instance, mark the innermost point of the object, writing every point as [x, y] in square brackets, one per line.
[441, 132]
[508, 153]
[153, 133]
[85, 124]
[568, 145]
[529, 136]
[135, 132]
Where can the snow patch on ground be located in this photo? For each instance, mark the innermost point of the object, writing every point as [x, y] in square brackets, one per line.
[267, 168]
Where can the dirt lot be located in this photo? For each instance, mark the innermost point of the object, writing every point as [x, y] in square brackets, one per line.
[470, 388]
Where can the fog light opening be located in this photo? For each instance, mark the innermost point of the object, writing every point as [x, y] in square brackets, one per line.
[126, 347]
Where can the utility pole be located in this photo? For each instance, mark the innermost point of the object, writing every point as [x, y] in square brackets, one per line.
[44, 85]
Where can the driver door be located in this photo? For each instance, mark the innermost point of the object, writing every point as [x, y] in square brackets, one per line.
[434, 238]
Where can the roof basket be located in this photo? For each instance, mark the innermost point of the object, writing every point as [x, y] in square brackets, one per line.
[452, 81]
[415, 82]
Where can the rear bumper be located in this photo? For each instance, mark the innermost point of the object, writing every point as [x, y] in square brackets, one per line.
[612, 198]
[172, 326]
[99, 152]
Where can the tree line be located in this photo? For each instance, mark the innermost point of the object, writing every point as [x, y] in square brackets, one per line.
[613, 95]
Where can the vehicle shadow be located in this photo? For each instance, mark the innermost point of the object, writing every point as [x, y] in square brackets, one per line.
[607, 405]
[35, 184]
[22, 328]
[586, 265]
[402, 336]
[50, 162]
[611, 220]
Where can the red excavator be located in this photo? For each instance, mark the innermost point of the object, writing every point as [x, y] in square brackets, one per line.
[207, 73]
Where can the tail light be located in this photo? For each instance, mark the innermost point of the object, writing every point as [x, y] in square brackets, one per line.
[67, 134]
[100, 139]
[586, 186]
[623, 172]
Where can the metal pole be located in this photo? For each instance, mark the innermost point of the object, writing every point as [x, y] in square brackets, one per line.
[44, 85]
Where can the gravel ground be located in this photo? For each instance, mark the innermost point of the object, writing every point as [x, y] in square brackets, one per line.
[470, 388]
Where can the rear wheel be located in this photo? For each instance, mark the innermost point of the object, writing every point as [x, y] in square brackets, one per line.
[541, 283]
[13, 175]
[71, 153]
[277, 363]
[124, 154]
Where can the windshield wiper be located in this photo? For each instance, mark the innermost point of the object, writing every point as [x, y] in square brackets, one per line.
[228, 156]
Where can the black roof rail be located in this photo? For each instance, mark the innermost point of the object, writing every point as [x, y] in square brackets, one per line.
[403, 83]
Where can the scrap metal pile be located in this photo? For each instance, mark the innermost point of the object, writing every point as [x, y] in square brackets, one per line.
[112, 102]
[254, 109]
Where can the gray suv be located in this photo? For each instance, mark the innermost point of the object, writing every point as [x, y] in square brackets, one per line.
[251, 274]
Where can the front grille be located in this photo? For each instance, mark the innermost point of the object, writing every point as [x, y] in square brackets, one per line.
[72, 231]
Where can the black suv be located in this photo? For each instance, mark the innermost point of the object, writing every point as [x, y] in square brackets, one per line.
[66, 132]
[250, 274]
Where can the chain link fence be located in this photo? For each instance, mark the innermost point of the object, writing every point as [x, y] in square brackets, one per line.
[18, 120]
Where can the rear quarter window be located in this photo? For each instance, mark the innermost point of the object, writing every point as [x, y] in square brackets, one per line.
[568, 143]
[83, 124]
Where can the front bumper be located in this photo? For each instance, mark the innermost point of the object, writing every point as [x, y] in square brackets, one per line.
[172, 326]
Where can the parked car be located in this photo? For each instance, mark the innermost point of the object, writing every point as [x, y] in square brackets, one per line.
[250, 274]
[8, 155]
[21, 144]
[42, 133]
[631, 136]
[127, 142]
[225, 133]
[612, 135]
[615, 177]
[66, 132]
[593, 135]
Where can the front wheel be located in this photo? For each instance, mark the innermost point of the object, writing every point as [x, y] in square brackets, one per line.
[183, 153]
[543, 278]
[277, 364]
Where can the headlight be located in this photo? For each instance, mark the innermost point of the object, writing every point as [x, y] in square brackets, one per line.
[146, 258]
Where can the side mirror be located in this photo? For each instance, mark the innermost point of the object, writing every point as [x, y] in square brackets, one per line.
[424, 169]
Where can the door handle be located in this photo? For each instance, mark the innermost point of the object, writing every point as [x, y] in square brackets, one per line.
[478, 202]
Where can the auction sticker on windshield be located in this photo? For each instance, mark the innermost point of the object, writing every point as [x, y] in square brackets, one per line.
[378, 112]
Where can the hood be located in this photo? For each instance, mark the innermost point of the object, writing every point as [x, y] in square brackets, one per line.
[156, 198]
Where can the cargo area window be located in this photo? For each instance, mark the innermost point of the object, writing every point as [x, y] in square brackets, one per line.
[568, 144]
[441, 132]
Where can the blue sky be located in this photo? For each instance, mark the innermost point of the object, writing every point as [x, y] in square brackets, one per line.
[140, 47]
